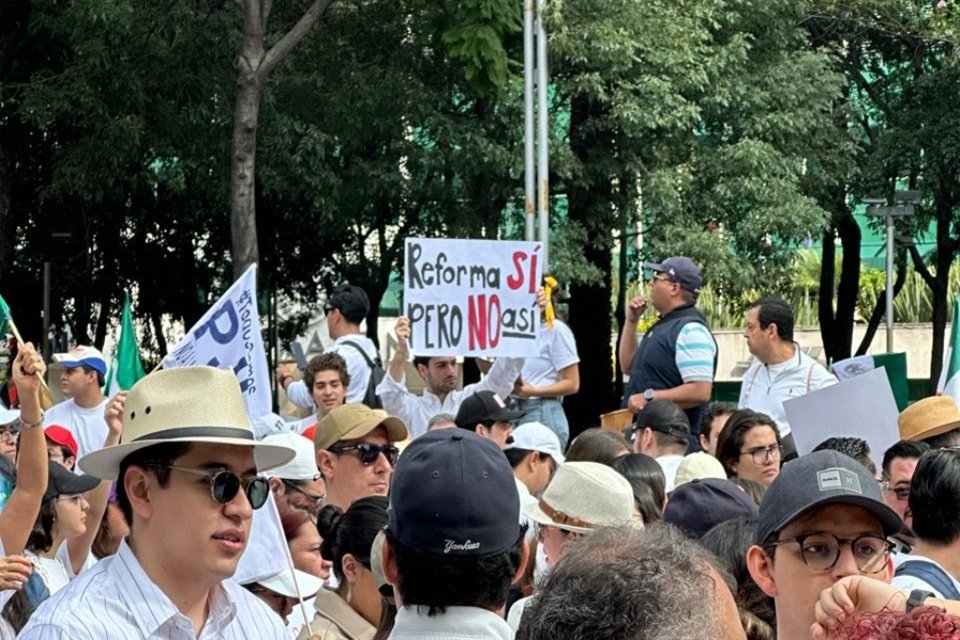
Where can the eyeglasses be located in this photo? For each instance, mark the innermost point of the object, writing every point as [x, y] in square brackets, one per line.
[762, 455]
[293, 487]
[902, 492]
[822, 550]
[10, 433]
[225, 485]
[660, 277]
[369, 453]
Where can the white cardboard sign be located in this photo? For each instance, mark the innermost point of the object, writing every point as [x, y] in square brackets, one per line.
[862, 406]
[472, 297]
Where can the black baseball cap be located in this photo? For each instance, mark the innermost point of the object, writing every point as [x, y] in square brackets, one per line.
[699, 505]
[454, 494]
[351, 301]
[681, 270]
[818, 479]
[63, 482]
[664, 416]
[484, 406]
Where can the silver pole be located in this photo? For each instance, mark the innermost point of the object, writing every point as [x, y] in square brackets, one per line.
[529, 169]
[543, 162]
[889, 283]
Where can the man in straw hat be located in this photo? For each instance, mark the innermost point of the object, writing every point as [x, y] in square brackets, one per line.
[934, 420]
[187, 483]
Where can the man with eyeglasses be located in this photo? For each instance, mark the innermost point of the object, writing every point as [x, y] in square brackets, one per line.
[355, 452]
[899, 463]
[187, 482]
[9, 430]
[821, 520]
[677, 358]
[297, 484]
[934, 563]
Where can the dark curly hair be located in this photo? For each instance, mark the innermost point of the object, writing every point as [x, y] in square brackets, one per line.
[326, 362]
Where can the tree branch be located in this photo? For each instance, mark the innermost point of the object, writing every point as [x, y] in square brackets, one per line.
[285, 45]
[921, 267]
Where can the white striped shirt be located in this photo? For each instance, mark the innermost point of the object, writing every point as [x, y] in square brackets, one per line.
[116, 599]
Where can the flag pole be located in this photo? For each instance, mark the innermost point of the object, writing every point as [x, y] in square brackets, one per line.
[46, 398]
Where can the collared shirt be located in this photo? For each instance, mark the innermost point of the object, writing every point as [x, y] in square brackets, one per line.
[336, 620]
[458, 623]
[416, 411]
[116, 599]
[765, 386]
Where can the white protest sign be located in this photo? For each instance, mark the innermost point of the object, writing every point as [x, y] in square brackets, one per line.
[472, 297]
[862, 407]
[228, 336]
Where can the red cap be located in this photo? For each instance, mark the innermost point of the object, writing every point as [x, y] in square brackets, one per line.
[61, 436]
[309, 431]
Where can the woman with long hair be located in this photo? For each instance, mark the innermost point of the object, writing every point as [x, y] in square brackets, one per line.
[750, 447]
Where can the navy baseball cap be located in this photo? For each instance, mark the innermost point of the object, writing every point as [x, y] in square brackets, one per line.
[664, 416]
[681, 270]
[818, 479]
[699, 505]
[454, 494]
[61, 481]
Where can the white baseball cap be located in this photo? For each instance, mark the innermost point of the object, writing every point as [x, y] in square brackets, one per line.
[536, 436]
[8, 416]
[83, 355]
[304, 463]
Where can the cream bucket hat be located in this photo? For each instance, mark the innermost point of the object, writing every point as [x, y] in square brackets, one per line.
[584, 496]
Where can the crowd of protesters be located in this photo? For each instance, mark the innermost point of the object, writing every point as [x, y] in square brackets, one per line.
[162, 512]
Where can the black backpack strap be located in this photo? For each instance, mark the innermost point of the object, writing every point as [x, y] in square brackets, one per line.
[370, 363]
[932, 575]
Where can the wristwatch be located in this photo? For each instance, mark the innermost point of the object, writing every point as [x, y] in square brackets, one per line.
[648, 395]
[917, 598]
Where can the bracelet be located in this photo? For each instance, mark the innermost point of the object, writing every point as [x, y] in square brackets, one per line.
[32, 425]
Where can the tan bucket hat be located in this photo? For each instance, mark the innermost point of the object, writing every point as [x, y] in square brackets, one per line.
[697, 466]
[928, 417]
[352, 421]
[584, 496]
[189, 404]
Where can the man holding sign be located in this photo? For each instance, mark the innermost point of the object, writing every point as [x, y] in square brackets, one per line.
[463, 298]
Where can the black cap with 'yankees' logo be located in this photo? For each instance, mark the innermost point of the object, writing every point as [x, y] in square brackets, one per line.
[818, 479]
[454, 494]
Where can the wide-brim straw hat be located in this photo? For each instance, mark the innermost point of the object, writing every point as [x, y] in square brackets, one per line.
[584, 496]
[188, 405]
[928, 417]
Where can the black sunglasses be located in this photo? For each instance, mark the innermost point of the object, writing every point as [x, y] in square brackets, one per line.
[368, 453]
[225, 485]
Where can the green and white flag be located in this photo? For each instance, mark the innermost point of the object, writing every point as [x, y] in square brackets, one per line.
[125, 366]
[949, 384]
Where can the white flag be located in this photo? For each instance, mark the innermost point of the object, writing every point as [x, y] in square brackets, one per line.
[228, 336]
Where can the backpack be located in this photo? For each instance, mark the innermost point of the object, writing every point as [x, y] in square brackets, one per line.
[377, 372]
[932, 575]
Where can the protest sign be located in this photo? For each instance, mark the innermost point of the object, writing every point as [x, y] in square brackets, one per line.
[228, 336]
[472, 297]
[862, 406]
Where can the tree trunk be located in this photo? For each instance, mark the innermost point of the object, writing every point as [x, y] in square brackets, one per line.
[243, 211]
[590, 308]
[946, 250]
[825, 313]
[849, 287]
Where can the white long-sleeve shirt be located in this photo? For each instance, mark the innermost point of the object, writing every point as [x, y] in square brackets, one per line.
[416, 411]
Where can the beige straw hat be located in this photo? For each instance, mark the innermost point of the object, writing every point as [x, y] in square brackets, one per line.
[928, 417]
[189, 404]
[584, 496]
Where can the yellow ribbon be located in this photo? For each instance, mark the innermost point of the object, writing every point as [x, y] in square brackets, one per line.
[549, 284]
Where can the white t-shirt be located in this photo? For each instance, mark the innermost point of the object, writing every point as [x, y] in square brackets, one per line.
[88, 427]
[670, 464]
[765, 387]
[57, 572]
[558, 350]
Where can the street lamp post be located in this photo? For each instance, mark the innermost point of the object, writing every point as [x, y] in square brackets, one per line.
[904, 202]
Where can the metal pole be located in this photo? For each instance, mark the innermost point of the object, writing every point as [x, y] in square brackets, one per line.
[45, 338]
[543, 162]
[889, 283]
[529, 169]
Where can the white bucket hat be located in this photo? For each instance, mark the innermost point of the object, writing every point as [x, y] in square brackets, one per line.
[189, 404]
[584, 496]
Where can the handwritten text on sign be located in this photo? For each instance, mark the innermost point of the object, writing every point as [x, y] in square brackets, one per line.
[472, 297]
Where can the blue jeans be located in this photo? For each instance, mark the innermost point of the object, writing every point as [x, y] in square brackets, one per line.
[548, 411]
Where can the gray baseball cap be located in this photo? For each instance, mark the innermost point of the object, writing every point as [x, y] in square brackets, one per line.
[818, 479]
